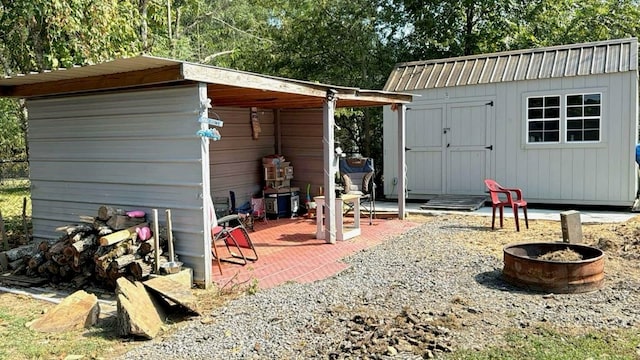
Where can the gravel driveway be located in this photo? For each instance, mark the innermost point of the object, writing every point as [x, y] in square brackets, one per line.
[422, 294]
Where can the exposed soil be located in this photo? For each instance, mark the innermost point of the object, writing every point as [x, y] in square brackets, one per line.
[619, 241]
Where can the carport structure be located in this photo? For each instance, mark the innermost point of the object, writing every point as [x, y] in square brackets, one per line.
[123, 133]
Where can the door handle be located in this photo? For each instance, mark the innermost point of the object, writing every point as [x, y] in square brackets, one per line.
[448, 145]
[490, 147]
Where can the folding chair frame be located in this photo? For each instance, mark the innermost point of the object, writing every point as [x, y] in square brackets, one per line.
[233, 236]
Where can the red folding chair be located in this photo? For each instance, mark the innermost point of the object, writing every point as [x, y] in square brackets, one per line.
[235, 238]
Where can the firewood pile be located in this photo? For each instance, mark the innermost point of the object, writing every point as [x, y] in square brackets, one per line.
[97, 251]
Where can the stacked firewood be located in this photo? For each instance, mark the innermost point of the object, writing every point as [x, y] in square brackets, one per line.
[98, 251]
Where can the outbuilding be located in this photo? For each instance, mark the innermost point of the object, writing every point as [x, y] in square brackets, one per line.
[135, 133]
[559, 122]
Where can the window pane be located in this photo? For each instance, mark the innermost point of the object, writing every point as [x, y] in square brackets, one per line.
[574, 124]
[535, 136]
[591, 123]
[574, 136]
[552, 101]
[535, 113]
[552, 136]
[592, 135]
[574, 100]
[535, 102]
[591, 99]
[535, 125]
[574, 112]
[592, 111]
[552, 113]
[552, 125]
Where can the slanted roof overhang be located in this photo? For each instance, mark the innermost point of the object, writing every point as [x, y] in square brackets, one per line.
[226, 87]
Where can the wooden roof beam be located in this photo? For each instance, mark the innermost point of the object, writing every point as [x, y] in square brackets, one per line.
[96, 83]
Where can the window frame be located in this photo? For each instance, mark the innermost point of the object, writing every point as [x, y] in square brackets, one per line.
[583, 117]
[563, 94]
[543, 119]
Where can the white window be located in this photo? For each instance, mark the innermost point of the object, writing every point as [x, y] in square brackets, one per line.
[578, 117]
[543, 119]
[583, 117]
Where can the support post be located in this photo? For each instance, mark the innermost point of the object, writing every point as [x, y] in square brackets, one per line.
[401, 161]
[328, 142]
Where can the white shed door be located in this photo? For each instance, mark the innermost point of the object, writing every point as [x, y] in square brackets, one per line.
[467, 147]
[425, 143]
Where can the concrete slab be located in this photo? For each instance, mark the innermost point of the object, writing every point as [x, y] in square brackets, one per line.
[587, 216]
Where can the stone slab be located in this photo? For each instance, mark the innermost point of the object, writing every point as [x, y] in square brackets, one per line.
[174, 291]
[571, 227]
[78, 310]
[184, 277]
[137, 313]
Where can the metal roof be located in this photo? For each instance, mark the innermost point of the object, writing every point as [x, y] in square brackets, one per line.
[227, 87]
[603, 57]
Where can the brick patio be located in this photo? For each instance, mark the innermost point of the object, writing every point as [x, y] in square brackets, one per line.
[289, 251]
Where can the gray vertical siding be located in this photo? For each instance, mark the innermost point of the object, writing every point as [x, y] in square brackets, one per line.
[236, 159]
[301, 143]
[134, 150]
[602, 173]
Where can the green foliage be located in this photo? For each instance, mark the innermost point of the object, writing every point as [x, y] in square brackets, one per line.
[545, 22]
[45, 34]
[12, 141]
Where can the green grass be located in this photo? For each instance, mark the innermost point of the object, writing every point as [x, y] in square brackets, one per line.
[549, 344]
[20, 342]
[12, 193]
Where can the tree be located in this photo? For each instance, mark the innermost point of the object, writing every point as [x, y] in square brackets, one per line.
[546, 22]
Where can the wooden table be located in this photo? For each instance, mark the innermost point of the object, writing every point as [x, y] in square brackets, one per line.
[342, 232]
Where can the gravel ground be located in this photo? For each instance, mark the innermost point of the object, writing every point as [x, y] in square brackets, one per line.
[427, 285]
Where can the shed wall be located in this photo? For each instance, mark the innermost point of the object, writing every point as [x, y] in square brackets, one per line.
[236, 159]
[301, 135]
[134, 150]
[601, 173]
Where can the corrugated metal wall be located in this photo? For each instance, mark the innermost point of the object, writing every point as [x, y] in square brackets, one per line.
[134, 150]
[236, 159]
[602, 173]
[301, 142]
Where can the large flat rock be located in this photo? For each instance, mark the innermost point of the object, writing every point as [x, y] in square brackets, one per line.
[78, 310]
[174, 291]
[137, 313]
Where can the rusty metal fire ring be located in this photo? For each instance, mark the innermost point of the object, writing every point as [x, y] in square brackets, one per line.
[523, 268]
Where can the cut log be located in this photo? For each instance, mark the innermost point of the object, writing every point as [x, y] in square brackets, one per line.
[80, 281]
[43, 246]
[57, 248]
[15, 264]
[36, 260]
[117, 251]
[85, 243]
[106, 212]
[121, 235]
[120, 222]
[72, 230]
[122, 261]
[66, 272]
[140, 269]
[43, 269]
[19, 252]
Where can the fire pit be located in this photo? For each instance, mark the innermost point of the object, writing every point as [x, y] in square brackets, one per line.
[534, 266]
